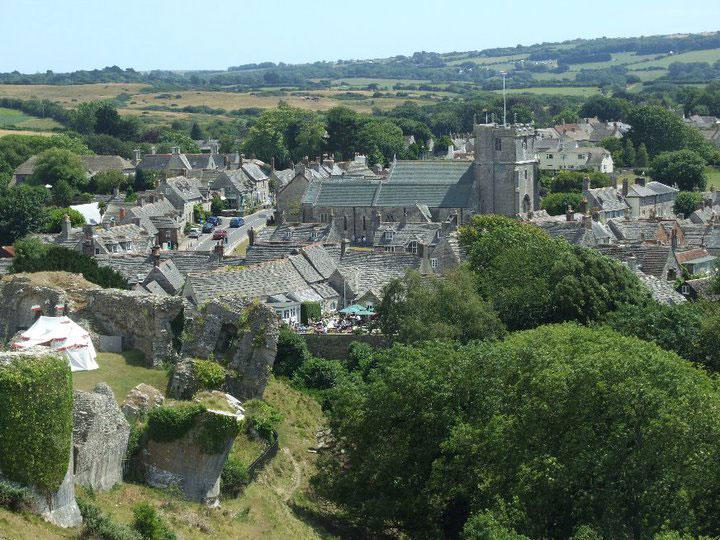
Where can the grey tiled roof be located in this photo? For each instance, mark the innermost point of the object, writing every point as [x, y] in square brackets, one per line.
[651, 259]
[258, 281]
[325, 291]
[661, 290]
[369, 271]
[306, 269]
[283, 177]
[259, 253]
[254, 172]
[301, 233]
[322, 259]
[186, 189]
[161, 162]
[432, 172]
[608, 199]
[135, 268]
[396, 234]
[574, 232]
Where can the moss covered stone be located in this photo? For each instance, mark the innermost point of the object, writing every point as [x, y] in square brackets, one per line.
[35, 420]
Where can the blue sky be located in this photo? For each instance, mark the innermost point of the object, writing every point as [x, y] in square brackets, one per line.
[64, 35]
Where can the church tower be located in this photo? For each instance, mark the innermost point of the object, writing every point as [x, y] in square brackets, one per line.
[506, 172]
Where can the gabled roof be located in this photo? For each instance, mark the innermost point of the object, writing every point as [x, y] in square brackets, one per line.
[398, 234]
[254, 172]
[651, 259]
[185, 189]
[431, 172]
[159, 162]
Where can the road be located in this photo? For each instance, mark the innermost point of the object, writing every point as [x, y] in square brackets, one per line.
[235, 236]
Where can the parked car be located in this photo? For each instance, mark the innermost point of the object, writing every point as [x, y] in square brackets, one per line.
[220, 234]
[237, 222]
[194, 233]
[214, 220]
[208, 227]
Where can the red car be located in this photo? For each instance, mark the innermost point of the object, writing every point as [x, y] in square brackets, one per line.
[219, 234]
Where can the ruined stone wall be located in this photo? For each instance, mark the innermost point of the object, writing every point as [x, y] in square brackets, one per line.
[335, 346]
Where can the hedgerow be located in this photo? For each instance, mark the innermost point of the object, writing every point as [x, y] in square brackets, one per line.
[36, 421]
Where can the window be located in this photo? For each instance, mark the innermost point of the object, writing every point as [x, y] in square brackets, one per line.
[498, 144]
[433, 263]
[549, 156]
[412, 247]
[685, 289]
[389, 235]
[581, 156]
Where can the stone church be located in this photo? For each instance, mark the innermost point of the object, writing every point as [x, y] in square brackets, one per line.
[502, 179]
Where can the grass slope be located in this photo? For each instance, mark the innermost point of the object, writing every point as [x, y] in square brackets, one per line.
[17, 119]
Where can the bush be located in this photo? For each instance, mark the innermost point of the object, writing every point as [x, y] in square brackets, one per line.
[262, 418]
[684, 168]
[99, 525]
[215, 432]
[292, 351]
[31, 255]
[36, 421]
[168, 423]
[149, 524]
[309, 311]
[234, 477]
[319, 373]
[686, 202]
[209, 375]
[56, 216]
[14, 498]
[557, 203]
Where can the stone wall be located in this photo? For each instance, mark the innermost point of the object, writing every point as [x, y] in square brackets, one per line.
[335, 346]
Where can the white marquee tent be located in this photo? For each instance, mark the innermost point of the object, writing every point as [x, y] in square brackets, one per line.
[62, 335]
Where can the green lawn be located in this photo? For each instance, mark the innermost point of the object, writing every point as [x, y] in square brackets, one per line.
[713, 176]
[122, 372]
[18, 119]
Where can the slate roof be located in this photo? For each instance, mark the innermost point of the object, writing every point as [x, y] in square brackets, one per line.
[201, 161]
[651, 259]
[300, 233]
[321, 259]
[254, 172]
[167, 269]
[159, 162]
[186, 189]
[431, 172]
[283, 177]
[325, 291]
[691, 255]
[575, 232]
[608, 199]
[92, 163]
[259, 253]
[258, 281]
[703, 287]
[369, 271]
[135, 268]
[397, 234]
[661, 290]
[306, 270]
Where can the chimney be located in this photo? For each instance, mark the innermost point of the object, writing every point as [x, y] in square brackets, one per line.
[153, 149]
[569, 214]
[306, 161]
[220, 249]
[403, 219]
[155, 252]
[586, 184]
[138, 155]
[176, 150]
[330, 162]
[251, 236]
[66, 227]
[343, 246]
[272, 164]
[626, 187]
[88, 232]
[587, 221]
[639, 181]
[121, 214]
[423, 250]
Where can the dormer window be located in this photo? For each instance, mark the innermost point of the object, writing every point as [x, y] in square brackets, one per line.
[412, 247]
[389, 235]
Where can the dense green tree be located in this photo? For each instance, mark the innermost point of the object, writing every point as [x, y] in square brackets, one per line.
[59, 165]
[445, 123]
[642, 159]
[610, 437]
[442, 144]
[109, 145]
[109, 122]
[144, 180]
[532, 279]
[629, 154]
[178, 138]
[572, 181]
[56, 217]
[416, 308]
[292, 352]
[683, 168]
[21, 212]
[15, 149]
[686, 202]
[558, 203]
[107, 181]
[568, 115]
[343, 125]
[380, 136]
[604, 108]
[83, 119]
[196, 132]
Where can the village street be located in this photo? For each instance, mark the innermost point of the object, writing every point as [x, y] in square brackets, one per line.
[235, 235]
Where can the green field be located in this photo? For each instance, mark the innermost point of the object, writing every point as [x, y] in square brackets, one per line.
[713, 177]
[710, 55]
[583, 91]
[122, 372]
[11, 118]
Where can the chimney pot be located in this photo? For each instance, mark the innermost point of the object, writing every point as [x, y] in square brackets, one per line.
[625, 187]
[569, 214]
[344, 246]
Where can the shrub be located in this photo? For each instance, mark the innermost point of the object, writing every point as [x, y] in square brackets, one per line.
[309, 311]
[149, 524]
[319, 373]
[14, 498]
[216, 430]
[687, 202]
[234, 477]
[99, 525]
[557, 203]
[262, 418]
[167, 423]
[36, 421]
[209, 375]
[56, 216]
[292, 351]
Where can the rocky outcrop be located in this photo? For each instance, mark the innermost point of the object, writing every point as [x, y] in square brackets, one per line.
[186, 463]
[140, 401]
[100, 438]
[183, 384]
[244, 335]
[143, 320]
[60, 508]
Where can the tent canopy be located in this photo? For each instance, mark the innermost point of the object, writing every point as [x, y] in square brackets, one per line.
[63, 335]
[357, 309]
